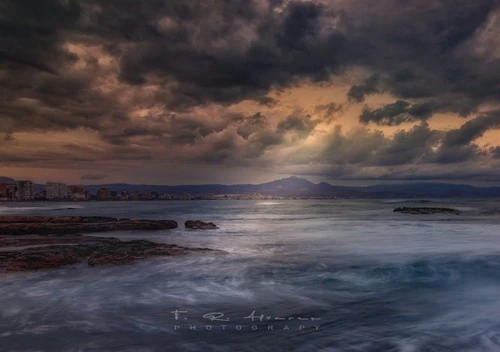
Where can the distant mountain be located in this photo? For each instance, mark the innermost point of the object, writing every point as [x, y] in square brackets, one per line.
[436, 190]
[4, 179]
[299, 187]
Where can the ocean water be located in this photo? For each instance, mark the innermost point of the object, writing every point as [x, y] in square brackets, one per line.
[298, 275]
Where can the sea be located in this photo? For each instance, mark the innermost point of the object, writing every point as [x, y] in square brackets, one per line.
[295, 275]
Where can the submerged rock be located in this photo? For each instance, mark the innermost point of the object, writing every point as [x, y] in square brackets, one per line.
[200, 225]
[426, 210]
[94, 250]
[41, 225]
[130, 251]
[18, 242]
[54, 219]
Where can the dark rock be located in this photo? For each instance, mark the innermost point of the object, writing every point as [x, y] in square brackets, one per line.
[130, 251]
[96, 250]
[53, 242]
[55, 219]
[28, 225]
[426, 210]
[43, 257]
[200, 225]
[37, 240]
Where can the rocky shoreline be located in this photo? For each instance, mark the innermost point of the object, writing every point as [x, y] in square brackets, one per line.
[93, 250]
[58, 225]
[34, 242]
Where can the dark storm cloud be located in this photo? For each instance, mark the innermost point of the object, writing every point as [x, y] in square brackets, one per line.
[267, 101]
[207, 52]
[251, 124]
[260, 142]
[229, 51]
[355, 148]
[138, 73]
[417, 146]
[399, 112]
[5, 56]
[30, 32]
[426, 51]
[407, 147]
[495, 151]
[457, 145]
[303, 125]
[410, 155]
[357, 93]
[364, 147]
[472, 129]
[330, 110]
[221, 51]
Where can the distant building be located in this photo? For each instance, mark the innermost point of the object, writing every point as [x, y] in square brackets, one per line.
[7, 191]
[136, 195]
[40, 195]
[103, 194]
[24, 190]
[124, 195]
[165, 196]
[184, 196]
[56, 191]
[77, 192]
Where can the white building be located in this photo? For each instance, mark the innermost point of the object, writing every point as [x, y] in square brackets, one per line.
[77, 192]
[24, 190]
[56, 190]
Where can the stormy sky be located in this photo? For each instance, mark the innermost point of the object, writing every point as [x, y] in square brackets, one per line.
[184, 91]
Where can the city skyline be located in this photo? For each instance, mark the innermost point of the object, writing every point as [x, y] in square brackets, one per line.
[250, 91]
[291, 187]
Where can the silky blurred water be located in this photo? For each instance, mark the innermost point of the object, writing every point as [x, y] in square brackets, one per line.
[319, 275]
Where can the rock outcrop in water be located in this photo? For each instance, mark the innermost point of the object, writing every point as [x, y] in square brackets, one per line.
[130, 251]
[66, 250]
[37, 242]
[58, 225]
[426, 210]
[200, 225]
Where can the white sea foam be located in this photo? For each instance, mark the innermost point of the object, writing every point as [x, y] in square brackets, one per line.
[377, 282]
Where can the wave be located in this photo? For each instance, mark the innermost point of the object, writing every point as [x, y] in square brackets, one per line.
[420, 304]
[431, 272]
[268, 203]
[416, 201]
[14, 210]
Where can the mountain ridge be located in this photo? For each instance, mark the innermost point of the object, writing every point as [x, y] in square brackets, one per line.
[301, 187]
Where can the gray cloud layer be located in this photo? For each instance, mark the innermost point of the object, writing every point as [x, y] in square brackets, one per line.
[176, 56]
